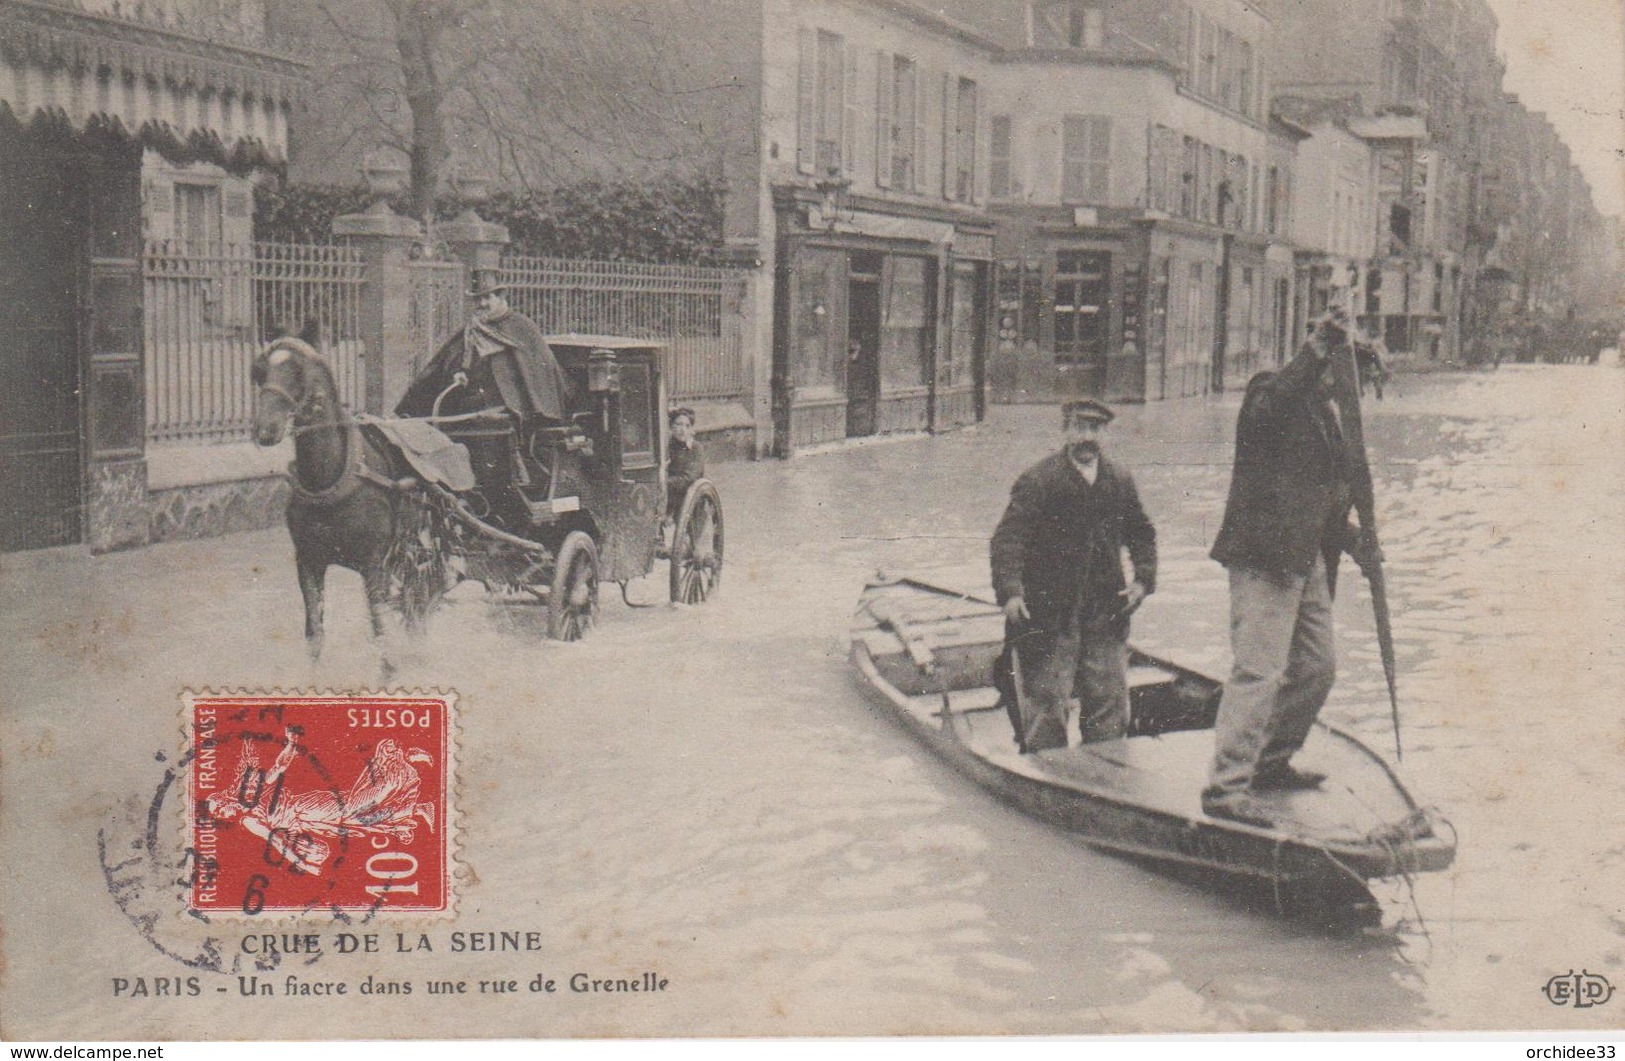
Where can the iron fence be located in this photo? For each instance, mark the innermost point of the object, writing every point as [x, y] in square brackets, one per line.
[696, 310]
[434, 307]
[209, 309]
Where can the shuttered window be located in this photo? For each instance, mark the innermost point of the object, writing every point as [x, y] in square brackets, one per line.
[905, 131]
[965, 141]
[823, 139]
[1085, 158]
[1000, 137]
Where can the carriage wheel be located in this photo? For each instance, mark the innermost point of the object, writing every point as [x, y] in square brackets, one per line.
[419, 570]
[572, 602]
[696, 546]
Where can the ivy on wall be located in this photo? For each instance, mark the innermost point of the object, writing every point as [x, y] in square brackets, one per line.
[665, 221]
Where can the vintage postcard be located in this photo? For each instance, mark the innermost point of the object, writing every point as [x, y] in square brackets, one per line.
[799, 518]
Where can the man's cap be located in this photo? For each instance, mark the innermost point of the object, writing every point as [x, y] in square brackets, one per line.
[1335, 317]
[681, 410]
[486, 282]
[1087, 409]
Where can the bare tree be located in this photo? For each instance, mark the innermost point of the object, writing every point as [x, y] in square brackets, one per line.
[535, 92]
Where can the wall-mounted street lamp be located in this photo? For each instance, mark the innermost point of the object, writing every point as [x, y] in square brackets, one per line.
[833, 205]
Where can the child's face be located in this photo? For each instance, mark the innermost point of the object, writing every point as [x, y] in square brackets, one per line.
[682, 430]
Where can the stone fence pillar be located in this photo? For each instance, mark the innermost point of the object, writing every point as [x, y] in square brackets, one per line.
[477, 242]
[385, 240]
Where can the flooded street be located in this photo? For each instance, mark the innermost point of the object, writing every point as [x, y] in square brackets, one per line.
[706, 791]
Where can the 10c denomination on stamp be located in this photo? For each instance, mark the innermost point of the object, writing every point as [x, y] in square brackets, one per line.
[320, 804]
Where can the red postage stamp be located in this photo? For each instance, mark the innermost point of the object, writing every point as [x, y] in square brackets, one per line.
[320, 804]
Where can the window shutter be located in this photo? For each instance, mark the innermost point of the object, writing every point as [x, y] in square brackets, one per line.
[1100, 159]
[849, 110]
[883, 119]
[922, 139]
[968, 130]
[807, 104]
[928, 162]
[950, 137]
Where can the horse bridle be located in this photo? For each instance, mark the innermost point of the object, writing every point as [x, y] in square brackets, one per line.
[296, 406]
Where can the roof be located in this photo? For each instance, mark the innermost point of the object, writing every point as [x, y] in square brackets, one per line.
[603, 342]
[1390, 127]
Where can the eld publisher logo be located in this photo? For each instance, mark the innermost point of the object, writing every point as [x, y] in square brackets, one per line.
[1582, 990]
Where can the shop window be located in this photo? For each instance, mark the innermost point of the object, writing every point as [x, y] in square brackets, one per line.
[967, 318]
[905, 333]
[1243, 337]
[1082, 306]
[1198, 324]
[818, 359]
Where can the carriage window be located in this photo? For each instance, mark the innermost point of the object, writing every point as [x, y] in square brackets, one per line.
[638, 430]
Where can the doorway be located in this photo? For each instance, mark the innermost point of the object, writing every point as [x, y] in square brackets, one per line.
[42, 206]
[863, 345]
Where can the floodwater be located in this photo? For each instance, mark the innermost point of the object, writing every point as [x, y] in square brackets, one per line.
[705, 792]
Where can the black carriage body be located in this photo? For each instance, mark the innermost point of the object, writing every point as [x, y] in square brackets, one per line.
[557, 507]
[621, 485]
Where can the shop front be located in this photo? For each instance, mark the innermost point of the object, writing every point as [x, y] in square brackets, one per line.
[1128, 308]
[1070, 309]
[880, 322]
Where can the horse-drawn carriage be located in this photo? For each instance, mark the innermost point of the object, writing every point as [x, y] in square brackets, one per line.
[542, 508]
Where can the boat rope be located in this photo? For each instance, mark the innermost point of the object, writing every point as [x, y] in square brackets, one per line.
[1275, 879]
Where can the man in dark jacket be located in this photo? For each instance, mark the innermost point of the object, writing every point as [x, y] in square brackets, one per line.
[1286, 523]
[504, 358]
[684, 463]
[1057, 558]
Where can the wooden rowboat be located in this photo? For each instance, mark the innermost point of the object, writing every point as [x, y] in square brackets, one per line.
[927, 654]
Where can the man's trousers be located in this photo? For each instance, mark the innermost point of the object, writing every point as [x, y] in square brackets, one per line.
[1052, 664]
[1285, 662]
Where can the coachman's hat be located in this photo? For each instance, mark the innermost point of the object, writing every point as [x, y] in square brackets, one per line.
[486, 282]
[1087, 409]
[1335, 317]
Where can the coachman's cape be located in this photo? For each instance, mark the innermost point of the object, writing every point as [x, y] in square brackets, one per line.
[508, 363]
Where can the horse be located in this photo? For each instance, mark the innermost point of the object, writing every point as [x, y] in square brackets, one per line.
[346, 508]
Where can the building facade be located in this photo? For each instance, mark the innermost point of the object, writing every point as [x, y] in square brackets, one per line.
[1472, 189]
[1134, 183]
[881, 245]
[114, 128]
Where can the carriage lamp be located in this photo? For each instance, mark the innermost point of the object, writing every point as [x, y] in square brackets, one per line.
[603, 372]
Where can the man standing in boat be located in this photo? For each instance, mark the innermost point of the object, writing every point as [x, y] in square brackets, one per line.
[1057, 558]
[1286, 523]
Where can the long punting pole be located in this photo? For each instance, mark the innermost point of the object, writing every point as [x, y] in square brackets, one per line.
[1346, 373]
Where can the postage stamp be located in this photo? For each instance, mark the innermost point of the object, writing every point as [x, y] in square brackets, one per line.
[331, 803]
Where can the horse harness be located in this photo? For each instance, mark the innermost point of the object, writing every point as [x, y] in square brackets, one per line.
[350, 479]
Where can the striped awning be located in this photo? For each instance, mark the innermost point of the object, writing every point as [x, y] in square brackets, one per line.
[67, 63]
